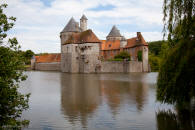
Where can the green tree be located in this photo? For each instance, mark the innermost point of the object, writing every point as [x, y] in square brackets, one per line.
[155, 47]
[12, 102]
[154, 62]
[27, 56]
[156, 52]
[176, 82]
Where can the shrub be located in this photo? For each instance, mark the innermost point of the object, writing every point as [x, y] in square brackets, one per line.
[123, 55]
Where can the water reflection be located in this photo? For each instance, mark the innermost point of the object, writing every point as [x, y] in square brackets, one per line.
[100, 101]
[81, 95]
[120, 93]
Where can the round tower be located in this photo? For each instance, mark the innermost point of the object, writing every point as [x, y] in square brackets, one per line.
[66, 60]
[123, 42]
[83, 23]
[71, 27]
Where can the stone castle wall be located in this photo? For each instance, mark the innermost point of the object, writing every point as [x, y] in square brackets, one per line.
[103, 67]
[55, 66]
[120, 66]
[145, 59]
[81, 58]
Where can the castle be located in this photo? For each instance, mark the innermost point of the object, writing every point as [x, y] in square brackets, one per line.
[83, 52]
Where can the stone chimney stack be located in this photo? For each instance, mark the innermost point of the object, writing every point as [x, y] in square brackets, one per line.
[83, 23]
[139, 36]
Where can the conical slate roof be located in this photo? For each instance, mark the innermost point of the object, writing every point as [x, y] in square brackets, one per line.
[114, 32]
[84, 17]
[72, 26]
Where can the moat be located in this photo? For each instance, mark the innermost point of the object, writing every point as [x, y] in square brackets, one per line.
[97, 101]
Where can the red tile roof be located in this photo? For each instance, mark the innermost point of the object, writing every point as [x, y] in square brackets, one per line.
[132, 42]
[48, 58]
[84, 37]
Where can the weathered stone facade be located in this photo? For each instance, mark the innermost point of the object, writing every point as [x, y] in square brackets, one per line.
[80, 48]
[120, 66]
[83, 58]
[54, 66]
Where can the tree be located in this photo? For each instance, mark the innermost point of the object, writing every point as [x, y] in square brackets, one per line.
[155, 47]
[12, 102]
[156, 52]
[176, 82]
[27, 56]
[154, 62]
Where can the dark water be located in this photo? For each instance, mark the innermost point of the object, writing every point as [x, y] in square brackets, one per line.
[99, 101]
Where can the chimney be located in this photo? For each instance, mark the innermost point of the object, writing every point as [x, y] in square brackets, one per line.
[138, 36]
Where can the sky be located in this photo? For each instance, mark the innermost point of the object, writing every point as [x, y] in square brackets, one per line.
[39, 22]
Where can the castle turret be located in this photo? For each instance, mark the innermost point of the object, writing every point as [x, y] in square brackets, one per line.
[71, 27]
[114, 34]
[83, 23]
[123, 42]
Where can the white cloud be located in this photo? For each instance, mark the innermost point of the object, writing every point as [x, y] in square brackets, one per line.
[38, 26]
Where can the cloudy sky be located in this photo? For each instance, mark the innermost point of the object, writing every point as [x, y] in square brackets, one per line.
[39, 22]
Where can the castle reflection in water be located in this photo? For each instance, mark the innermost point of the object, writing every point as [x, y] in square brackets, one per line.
[101, 101]
[82, 95]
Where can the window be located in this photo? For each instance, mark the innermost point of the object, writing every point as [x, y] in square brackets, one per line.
[109, 45]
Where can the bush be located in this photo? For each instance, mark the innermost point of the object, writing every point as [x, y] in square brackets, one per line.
[123, 55]
[117, 59]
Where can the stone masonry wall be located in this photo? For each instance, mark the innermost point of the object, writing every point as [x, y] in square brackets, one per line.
[88, 57]
[135, 66]
[104, 67]
[55, 66]
[145, 59]
[80, 58]
[111, 66]
[120, 66]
